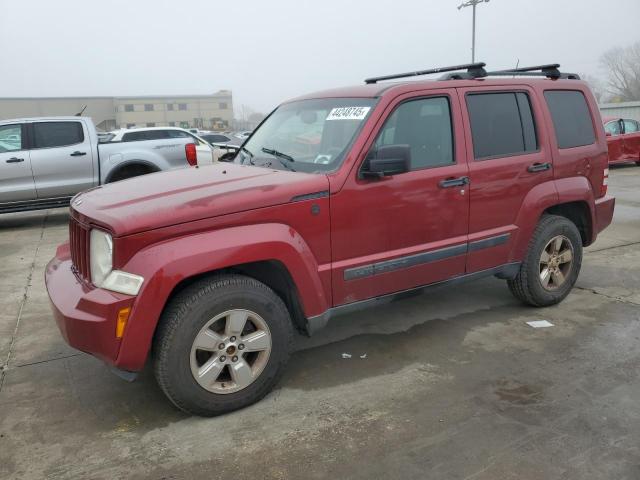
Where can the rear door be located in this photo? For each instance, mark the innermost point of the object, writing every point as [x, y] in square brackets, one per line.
[508, 158]
[631, 140]
[61, 158]
[16, 178]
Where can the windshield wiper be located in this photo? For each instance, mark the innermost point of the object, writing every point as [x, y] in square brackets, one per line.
[278, 154]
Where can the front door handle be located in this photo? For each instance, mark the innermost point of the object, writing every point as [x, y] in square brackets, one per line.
[454, 182]
[15, 160]
[78, 154]
[538, 167]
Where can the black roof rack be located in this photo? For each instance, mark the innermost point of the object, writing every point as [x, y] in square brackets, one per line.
[473, 70]
[550, 71]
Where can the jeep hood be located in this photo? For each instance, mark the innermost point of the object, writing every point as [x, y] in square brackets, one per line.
[169, 198]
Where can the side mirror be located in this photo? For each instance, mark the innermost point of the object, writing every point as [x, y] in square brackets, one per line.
[387, 160]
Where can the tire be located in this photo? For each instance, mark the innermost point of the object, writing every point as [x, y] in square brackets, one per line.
[178, 360]
[527, 285]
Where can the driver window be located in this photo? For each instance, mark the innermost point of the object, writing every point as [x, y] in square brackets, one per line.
[613, 128]
[10, 138]
[424, 125]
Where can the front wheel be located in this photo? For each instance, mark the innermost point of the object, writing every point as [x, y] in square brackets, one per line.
[222, 344]
[552, 263]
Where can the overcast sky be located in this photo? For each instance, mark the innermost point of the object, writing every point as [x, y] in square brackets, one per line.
[269, 50]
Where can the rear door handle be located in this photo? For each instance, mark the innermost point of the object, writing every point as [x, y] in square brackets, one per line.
[15, 160]
[454, 182]
[538, 167]
[78, 154]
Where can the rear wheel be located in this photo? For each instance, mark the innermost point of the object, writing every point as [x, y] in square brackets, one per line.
[552, 264]
[221, 345]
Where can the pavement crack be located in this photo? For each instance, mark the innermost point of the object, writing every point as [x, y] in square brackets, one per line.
[5, 366]
[612, 297]
[613, 247]
[46, 361]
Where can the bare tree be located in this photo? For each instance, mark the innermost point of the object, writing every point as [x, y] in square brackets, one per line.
[597, 87]
[623, 69]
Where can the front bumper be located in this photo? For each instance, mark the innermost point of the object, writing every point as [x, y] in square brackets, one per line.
[86, 316]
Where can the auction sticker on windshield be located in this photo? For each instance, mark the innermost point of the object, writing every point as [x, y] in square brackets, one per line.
[348, 113]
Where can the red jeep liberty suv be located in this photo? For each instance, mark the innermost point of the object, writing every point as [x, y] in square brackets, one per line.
[339, 200]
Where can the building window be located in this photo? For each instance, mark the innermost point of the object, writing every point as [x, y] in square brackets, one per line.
[131, 125]
[182, 106]
[128, 107]
[172, 124]
[152, 124]
[148, 107]
[184, 124]
[223, 105]
[170, 107]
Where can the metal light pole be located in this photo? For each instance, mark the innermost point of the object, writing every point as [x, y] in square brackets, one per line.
[472, 3]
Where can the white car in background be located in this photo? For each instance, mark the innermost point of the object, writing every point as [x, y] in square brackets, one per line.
[242, 135]
[204, 150]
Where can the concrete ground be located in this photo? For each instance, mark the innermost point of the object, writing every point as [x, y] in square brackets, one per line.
[454, 385]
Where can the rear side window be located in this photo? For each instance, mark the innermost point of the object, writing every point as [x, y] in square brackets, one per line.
[177, 134]
[571, 118]
[424, 125]
[145, 135]
[630, 126]
[501, 124]
[57, 134]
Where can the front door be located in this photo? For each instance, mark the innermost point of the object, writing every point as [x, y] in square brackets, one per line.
[16, 178]
[61, 158]
[410, 229]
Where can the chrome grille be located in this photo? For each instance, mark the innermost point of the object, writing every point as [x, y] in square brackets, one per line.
[79, 241]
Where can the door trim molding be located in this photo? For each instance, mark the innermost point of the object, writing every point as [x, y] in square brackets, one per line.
[412, 260]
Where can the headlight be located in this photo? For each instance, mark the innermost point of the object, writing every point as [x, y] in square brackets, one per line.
[101, 262]
[101, 256]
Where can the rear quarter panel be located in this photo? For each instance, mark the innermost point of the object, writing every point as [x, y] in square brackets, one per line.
[162, 154]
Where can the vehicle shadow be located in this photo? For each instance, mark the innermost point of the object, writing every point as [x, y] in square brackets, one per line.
[421, 330]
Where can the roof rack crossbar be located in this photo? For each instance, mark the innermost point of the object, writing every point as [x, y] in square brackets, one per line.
[473, 70]
[551, 70]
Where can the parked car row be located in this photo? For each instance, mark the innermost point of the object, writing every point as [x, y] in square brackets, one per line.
[623, 140]
[44, 162]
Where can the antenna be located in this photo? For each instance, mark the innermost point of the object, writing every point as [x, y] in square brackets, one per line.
[79, 114]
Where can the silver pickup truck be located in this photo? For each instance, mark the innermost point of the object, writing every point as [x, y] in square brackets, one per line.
[44, 162]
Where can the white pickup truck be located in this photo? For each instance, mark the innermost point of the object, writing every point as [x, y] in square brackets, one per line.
[44, 162]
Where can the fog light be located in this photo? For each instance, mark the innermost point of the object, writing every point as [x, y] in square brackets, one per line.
[121, 321]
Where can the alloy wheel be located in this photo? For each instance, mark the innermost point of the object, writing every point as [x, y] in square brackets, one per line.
[230, 351]
[556, 262]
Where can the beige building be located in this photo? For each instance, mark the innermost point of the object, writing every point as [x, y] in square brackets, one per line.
[211, 112]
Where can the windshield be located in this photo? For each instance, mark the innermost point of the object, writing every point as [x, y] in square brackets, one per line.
[308, 136]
